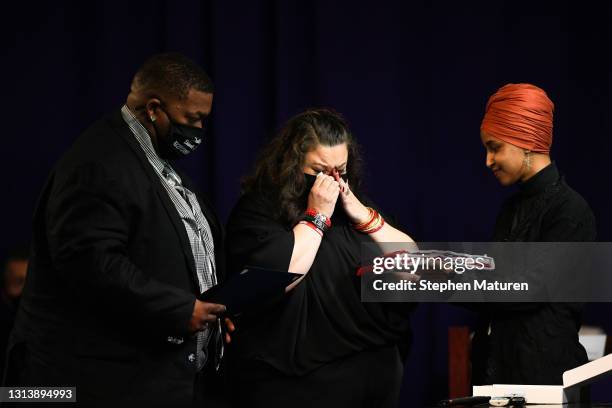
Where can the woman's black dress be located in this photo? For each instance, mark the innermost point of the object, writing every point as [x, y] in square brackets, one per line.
[534, 343]
[319, 346]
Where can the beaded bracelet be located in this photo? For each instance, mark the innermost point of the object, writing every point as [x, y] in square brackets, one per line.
[312, 214]
[321, 221]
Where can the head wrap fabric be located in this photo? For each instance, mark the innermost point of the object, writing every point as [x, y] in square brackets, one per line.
[522, 115]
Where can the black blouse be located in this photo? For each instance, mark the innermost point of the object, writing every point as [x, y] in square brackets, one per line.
[322, 319]
[534, 343]
[545, 209]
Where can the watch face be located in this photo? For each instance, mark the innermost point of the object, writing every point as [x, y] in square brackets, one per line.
[323, 218]
[321, 221]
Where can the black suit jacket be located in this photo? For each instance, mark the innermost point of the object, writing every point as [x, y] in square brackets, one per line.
[111, 278]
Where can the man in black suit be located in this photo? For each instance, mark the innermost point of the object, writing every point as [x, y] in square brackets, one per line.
[121, 248]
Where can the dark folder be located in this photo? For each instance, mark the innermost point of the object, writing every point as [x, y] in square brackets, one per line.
[250, 288]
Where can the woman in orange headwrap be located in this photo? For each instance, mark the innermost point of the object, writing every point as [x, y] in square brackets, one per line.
[517, 132]
[529, 343]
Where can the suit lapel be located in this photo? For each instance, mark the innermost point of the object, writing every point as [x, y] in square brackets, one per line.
[124, 131]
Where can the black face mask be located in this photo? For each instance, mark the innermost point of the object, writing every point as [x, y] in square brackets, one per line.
[179, 141]
[310, 180]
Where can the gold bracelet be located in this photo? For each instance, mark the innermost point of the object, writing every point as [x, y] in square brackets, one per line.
[375, 224]
[371, 216]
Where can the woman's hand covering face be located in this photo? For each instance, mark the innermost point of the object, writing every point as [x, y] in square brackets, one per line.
[324, 194]
[356, 211]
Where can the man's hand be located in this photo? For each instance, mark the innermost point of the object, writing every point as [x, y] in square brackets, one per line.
[204, 313]
[229, 328]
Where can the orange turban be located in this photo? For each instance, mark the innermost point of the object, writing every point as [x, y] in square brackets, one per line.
[522, 115]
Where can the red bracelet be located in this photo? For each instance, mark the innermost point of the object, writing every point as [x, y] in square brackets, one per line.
[320, 220]
[382, 224]
[375, 223]
[366, 224]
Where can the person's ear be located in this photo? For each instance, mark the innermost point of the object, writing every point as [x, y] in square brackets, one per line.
[152, 107]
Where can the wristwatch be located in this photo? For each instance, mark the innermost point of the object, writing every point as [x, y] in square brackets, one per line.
[321, 221]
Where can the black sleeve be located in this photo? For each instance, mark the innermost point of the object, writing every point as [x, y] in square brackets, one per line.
[255, 238]
[88, 219]
[564, 228]
[570, 221]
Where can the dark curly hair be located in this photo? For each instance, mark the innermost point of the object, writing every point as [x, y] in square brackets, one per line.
[173, 73]
[279, 172]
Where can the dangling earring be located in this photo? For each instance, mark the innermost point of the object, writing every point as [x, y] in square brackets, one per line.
[152, 118]
[527, 159]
